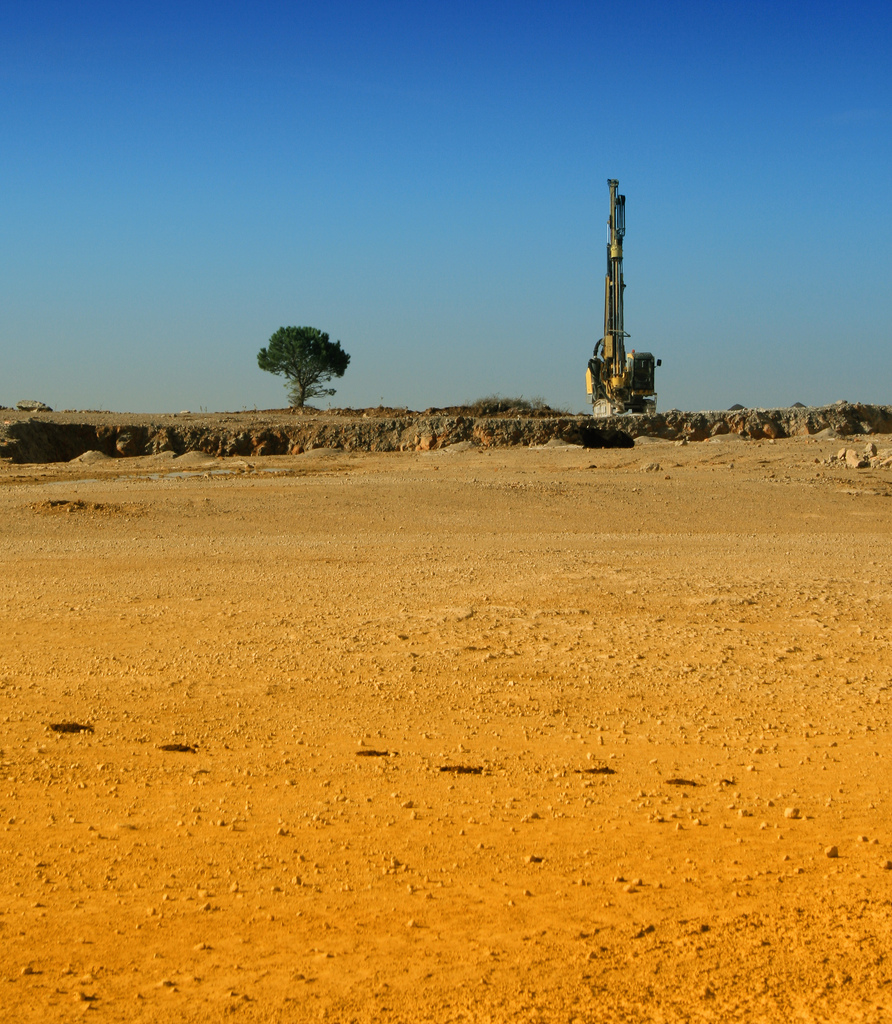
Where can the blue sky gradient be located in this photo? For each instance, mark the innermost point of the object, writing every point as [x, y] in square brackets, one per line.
[427, 183]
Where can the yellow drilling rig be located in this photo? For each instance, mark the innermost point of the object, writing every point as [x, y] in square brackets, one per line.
[616, 382]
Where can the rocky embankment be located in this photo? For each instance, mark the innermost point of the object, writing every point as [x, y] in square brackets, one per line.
[28, 437]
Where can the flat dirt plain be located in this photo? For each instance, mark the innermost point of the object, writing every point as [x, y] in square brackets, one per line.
[515, 735]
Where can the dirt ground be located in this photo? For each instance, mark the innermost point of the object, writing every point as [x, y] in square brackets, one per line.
[520, 735]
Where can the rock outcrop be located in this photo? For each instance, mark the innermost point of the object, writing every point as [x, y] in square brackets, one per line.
[65, 436]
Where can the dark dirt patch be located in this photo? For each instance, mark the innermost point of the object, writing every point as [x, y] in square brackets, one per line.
[67, 506]
[70, 727]
[462, 769]
[601, 769]
[374, 753]
[681, 782]
[179, 748]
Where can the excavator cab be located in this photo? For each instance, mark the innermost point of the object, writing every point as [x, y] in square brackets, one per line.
[641, 368]
[642, 365]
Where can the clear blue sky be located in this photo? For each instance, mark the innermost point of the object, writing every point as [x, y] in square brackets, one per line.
[427, 182]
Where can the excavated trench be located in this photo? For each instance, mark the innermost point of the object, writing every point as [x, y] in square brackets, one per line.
[60, 437]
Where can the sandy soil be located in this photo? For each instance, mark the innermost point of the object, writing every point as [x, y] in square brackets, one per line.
[668, 689]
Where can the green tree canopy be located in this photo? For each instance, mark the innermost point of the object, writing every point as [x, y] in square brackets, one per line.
[306, 358]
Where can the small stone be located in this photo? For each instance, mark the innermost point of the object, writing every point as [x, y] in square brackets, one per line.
[791, 812]
[886, 865]
[831, 851]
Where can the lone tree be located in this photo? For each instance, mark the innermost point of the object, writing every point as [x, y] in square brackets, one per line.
[306, 358]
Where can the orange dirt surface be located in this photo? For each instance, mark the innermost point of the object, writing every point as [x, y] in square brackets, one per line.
[518, 735]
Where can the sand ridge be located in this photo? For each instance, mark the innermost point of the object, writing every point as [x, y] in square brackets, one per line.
[664, 671]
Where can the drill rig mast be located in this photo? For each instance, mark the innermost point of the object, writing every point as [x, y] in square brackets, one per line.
[617, 382]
